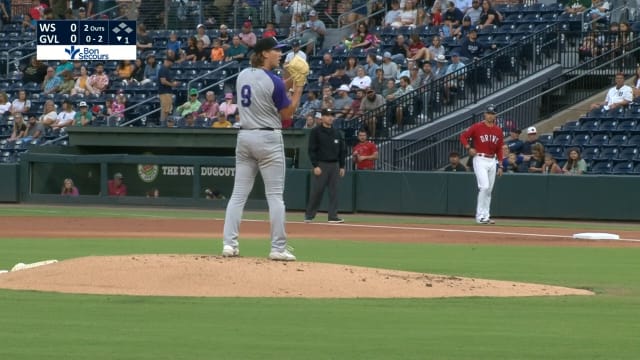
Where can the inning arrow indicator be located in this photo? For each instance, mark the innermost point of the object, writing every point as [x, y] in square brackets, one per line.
[119, 38]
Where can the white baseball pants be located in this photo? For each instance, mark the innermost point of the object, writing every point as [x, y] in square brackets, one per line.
[258, 150]
[485, 170]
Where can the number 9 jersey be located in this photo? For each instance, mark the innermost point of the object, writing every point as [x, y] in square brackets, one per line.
[261, 95]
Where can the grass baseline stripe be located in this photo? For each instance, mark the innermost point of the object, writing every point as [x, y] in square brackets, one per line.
[391, 227]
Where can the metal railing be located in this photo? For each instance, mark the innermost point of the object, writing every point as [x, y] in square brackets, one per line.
[521, 110]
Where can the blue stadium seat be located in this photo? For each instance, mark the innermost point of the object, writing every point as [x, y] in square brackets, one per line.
[588, 125]
[623, 168]
[545, 139]
[580, 139]
[590, 153]
[601, 167]
[506, 29]
[636, 169]
[599, 140]
[607, 153]
[634, 140]
[608, 125]
[627, 153]
[556, 151]
[562, 139]
[570, 126]
[626, 125]
[618, 140]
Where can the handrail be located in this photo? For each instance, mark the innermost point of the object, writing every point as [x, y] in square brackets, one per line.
[17, 60]
[226, 65]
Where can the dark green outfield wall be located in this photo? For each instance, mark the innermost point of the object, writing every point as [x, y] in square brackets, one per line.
[434, 193]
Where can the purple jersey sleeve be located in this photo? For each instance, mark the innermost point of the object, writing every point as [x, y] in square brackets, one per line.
[279, 95]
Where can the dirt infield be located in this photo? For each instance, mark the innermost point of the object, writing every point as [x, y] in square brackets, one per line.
[205, 275]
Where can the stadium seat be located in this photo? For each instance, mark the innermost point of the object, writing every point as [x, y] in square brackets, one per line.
[626, 125]
[627, 153]
[623, 168]
[545, 139]
[634, 140]
[570, 126]
[590, 153]
[562, 139]
[556, 151]
[618, 140]
[601, 167]
[589, 125]
[599, 140]
[608, 125]
[607, 153]
[580, 139]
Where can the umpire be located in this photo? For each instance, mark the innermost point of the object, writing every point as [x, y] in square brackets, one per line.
[327, 153]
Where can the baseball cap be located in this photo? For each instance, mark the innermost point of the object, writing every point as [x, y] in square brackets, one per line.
[295, 42]
[199, 26]
[491, 109]
[223, 27]
[318, 114]
[466, 18]
[386, 54]
[327, 111]
[81, 8]
[267, 44]
[344, 87]
[515, 130]
[313, 13]
[441, 59]
[369, 90]
[455, 53]
[247, 24]
[228, 96]
[532, 130]
[193, 91]
[118, 176]
[82, 103]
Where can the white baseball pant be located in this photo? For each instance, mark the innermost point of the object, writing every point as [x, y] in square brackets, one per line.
[485, 170]
[258, 150]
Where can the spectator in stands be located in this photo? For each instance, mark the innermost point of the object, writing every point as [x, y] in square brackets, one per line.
[362, 80]
[118, 106]
[427, 74]
[589, 47]
[575, 165]
[452, 18]
[409, 14]
[532, 139]
[536, 161]
[399, 49]
[67, 84]
[34, 130]
[228, 107]
[576, 8]
[80, 85]
[201, 54]
[550, 165]
[5, 105]
[189, 120]
[28, 24]
[59, 8]
[455, 74]
[51, 83]
[201, 35]
[441, 67]
[361, 38]
[328, 68]
[340, 77]
[414, 76]
[192, 49]
[378, 82]
[19, 127]
[350, 67]
[636, 84]
[436, 13]
[454, 163]
[246, 12]
[474, 12]
[247, 36]
[221, 122]
[471, 48]
[327, 97]
[370, 66]
[308, 107]
[21, 104]
[209, 108]
[279, 8]
[310, 121]
[513, 142]
[69, 189]
[295, 51]
[64, 65]
[342, 104]
[392, 18]
[401, 107]
[511, 162]
[217, 52]
[143, 40]
[372, 101]
[236, 51]
[98, 82]
[224, 37]
[415, 44]
[489, 15]
[83, 116]
[116, 186]
[619, 96]
[364, 153]
[49, 116]
[36, 10]
[297, 26]
[191, 105]
[314, 31]
[165, 89]
[354, 110]
[35, 72]
[301, 7]
[389, 89]
[462, 31]
[151, 70]
[48, 14]
[598, 11]
[389, 67]
[173, 43]
[65, 117]
[77, 65]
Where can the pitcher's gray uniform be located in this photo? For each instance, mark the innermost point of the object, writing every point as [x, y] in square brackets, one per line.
[261, 95]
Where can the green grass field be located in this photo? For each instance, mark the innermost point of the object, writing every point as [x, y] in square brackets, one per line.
[37, 325]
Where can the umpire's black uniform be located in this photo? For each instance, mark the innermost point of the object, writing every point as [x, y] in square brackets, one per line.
[326, 151]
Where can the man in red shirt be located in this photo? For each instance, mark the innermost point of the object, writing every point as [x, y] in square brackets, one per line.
[116, 187]
[365, 152]
[487, 139]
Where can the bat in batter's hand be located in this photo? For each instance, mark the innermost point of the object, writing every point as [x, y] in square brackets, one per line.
[296, 71]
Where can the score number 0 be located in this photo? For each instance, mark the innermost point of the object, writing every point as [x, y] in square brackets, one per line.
[73, 38]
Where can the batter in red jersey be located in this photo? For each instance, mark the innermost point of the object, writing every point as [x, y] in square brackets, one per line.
[487, 139]
[365, 152]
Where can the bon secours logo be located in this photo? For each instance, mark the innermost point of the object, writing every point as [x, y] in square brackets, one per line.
[85, 54]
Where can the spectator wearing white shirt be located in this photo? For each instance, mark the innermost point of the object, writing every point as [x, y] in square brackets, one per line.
[362, 80]
[66, 116]
[619, 96]
[21, 104]
[393, 16]
[5, 105]
[295, 50]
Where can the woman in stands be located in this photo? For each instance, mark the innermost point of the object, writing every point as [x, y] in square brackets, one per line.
[636, 84]
[362, 38]
[138, 73]
[351, 65]
[19, 127]
[125, 70]
[575, 165]
[80, 86]
[21, 104]
[409, 15]
[5, 105]
[489, 15]
[69, 189]
[415, 44]
[536, 161]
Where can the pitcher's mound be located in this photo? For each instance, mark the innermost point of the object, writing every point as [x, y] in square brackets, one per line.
[198, 275]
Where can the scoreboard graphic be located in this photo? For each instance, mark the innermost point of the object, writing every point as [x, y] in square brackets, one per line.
[86, 40]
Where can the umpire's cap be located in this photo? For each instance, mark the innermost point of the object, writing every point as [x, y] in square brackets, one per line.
[267, 44]
[491, 109]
